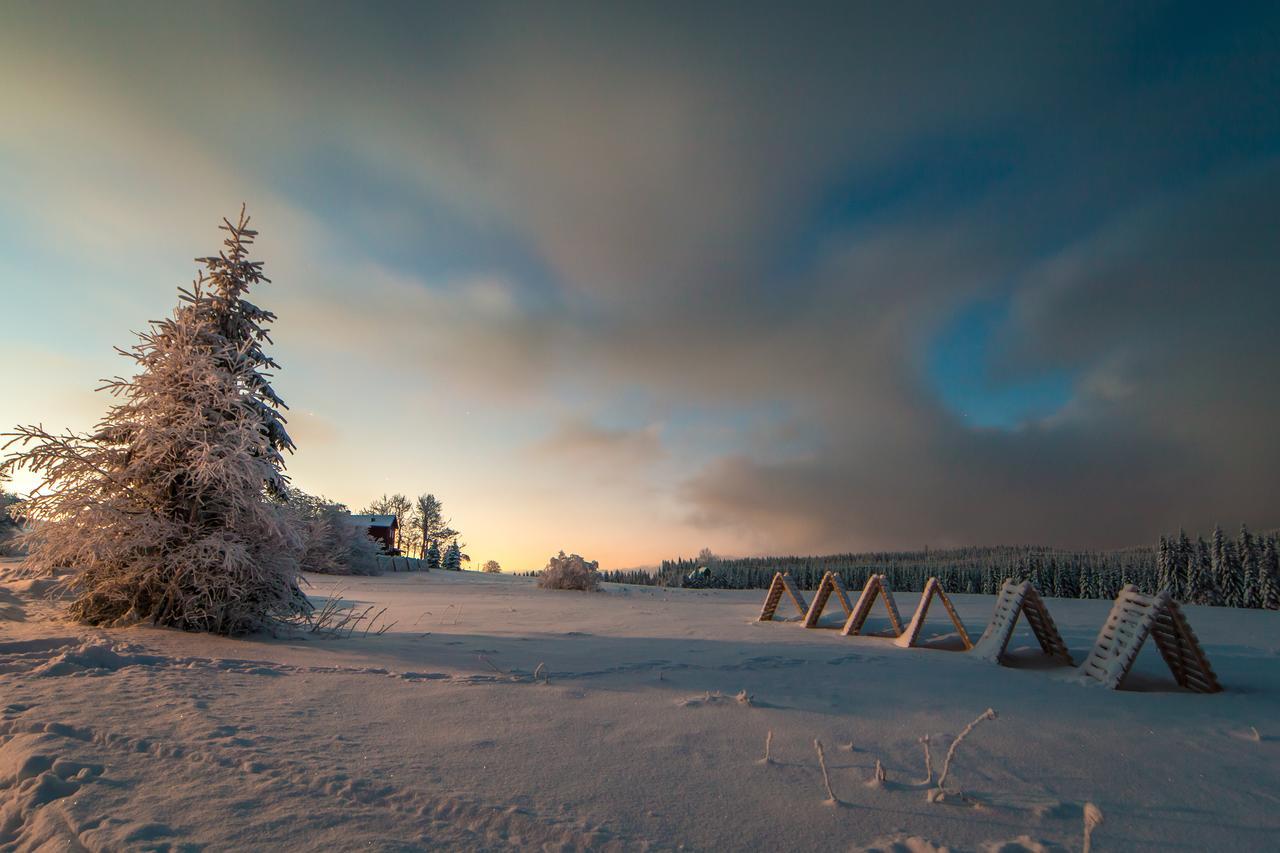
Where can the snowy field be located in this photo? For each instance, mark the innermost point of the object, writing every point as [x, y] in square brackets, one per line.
[438, 734]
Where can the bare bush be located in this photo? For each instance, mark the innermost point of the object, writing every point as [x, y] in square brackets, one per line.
[332, 544]
[571, 572]
[491, 567]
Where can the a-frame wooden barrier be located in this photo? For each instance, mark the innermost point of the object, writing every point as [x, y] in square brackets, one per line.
[1134, 617]
[831, 582]
[781, 583]
[1021, 598]
[876, 585]
[911, 636]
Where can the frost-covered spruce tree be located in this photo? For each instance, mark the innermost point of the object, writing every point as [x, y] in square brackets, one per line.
[1181, 556]
[452, 559]
[1269, 576]
[1247, 549]
[1201, 587]
[432, 557]
[163, 509]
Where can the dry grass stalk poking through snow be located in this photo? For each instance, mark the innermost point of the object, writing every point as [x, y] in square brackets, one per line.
[768, 743]
[163, 508]
[826, 780]
[938, 793]
[337, 619]
[570, 572]
[928, 761]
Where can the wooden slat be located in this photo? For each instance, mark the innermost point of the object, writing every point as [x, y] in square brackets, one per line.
[781, 583]
[875, 586]
[932, 589]
[1133, 618]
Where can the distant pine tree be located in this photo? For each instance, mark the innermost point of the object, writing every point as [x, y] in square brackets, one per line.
[1221, 565]
[452, 560]
[1232, 577]
[1249, 559]
[1198, 587]
[1164, 565]
[433, 555]
[1269, 576]
[1181, 556]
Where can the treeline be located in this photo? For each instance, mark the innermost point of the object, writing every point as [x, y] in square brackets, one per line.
[422, 531]
[1234, 573]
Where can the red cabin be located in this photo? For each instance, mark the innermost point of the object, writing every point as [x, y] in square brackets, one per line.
[380, 527]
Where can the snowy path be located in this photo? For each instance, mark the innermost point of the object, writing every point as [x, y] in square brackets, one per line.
[437, 734]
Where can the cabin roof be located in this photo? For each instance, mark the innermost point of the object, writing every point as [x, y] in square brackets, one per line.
[373, 520]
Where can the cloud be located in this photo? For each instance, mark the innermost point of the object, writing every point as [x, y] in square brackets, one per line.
[581, 440]
[743, 226]
[1167, 312]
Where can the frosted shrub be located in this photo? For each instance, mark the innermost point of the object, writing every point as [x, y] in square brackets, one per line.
[9, 513]
[163, 509]
[491, 567]
[331, 543]
[571, 572]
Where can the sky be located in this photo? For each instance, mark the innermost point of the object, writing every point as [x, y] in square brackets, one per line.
[628, 280]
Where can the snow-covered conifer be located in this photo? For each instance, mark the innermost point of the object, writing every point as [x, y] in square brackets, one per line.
[1269, 576]
[452, 559]
[432, 557]
[1249, 558]
[163, 508]
[1198, 587]
[1163, 564]
[1181, 558]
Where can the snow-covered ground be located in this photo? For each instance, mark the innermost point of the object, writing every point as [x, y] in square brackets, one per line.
[437, 734]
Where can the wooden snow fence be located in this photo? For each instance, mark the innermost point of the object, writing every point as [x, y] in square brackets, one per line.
[1021, 598]
[910, 638]
[782, 582]
[876, 585]
[831, 583]
[1134, 617]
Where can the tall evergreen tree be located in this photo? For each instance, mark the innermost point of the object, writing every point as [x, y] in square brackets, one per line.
[430, 522]
[432, 557]
[246, 327]
[164, 506]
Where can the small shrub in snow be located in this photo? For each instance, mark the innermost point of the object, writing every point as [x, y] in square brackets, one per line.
[571, 572]
[332, 545]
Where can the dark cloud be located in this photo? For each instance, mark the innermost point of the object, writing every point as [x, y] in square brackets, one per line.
[730, 209]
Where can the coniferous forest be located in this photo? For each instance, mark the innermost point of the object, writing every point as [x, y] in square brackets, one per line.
[1224, 571]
